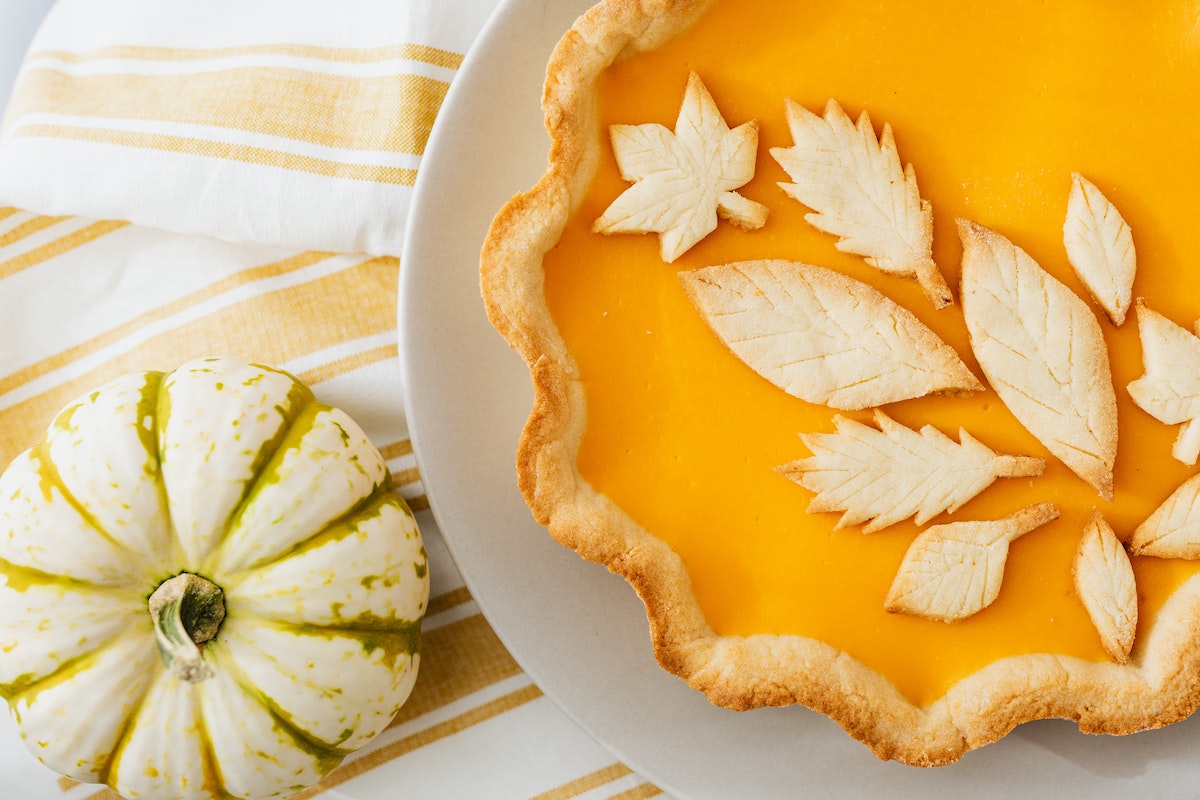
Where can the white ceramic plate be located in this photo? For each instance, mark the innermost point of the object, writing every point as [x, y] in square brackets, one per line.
[579, 631]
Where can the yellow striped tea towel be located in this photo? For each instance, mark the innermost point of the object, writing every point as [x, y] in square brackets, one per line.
[297, 124]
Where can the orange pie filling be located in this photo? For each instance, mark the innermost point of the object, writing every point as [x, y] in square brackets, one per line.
[995, 113]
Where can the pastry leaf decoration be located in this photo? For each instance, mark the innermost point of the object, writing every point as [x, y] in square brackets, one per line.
[1104, 582]
[1169, 390]
[683, 180]
[1099, 246]
[883, 476]
[955, 570]
[1043, 352]
[859, 192]
[1173, 530]
[824, 337]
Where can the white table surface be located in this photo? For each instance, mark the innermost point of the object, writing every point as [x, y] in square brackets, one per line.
[19, 20]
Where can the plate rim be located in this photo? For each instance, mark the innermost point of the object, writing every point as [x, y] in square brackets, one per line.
[503, 30]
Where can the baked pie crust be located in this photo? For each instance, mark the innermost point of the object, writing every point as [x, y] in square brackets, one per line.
[1118, 688]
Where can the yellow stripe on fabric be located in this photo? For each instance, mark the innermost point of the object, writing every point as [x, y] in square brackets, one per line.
[104, 794]
[348, 364]
[346, 55]
[61, 359]
[406, 477]
[67, 243]
[586, 783]
[28, 228]
[390, 452]
[418, 503]
[448, 600]
[639, 792]
[390, 113]
[66, 784]
[408, 744]
[7, 211]
[262, 156]
[350, 304]
[457, 660]
[396, 450]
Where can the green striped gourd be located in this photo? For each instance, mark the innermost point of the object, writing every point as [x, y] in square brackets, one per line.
[208, 587]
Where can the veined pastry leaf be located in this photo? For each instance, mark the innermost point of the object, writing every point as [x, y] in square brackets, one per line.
[683, 180]
[887, 475]
[1104, 582]
[1042, 350]
[952, 571]
[824, 337]
[1169, 390]
[859, 192]
[1099, 246]
[1173, 530]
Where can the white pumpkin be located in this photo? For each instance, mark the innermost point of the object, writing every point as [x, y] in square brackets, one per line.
[207, 586]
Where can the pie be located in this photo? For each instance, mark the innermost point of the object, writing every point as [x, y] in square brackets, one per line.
[862, 345]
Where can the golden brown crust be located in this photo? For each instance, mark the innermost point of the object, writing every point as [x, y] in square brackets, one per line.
[1160, 683]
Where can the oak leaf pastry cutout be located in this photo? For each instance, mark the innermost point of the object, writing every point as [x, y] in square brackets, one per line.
[859, 192]
[684, 180]
[887, 475]
[1042, 350]
[954, 570]
[1100, 248]
[1173, 529]
[1105, 583]
[1169, 390]
[822, 336]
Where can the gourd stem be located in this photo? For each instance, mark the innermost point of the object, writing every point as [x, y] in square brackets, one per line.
[187, 610]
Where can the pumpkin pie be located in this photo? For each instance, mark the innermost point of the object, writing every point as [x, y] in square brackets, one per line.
[827, 310]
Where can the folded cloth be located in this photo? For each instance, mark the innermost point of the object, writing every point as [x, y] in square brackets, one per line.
[180, 180]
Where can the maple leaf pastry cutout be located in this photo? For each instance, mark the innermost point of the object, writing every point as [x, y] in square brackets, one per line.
[684, 180]
[881, 476]
[859, 192]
